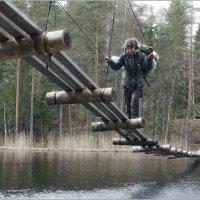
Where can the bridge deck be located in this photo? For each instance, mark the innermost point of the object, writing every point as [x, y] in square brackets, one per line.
[63, 71]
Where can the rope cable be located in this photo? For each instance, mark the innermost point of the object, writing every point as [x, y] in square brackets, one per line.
[55, 15]
[138, 23]
[47, 19]
[48, 64]
[88, 38]
[111, 37]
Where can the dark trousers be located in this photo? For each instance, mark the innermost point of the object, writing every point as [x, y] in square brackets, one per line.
[132, 95]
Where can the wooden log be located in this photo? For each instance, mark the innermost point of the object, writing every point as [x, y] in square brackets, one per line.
[83, 96]
[179, 151]
[198, 153]
[137, 149]
[173, 150]
[165, 147]
[146, 149]
[193, 154]
[122, 141]
[46, 42]
[185, 153]
[151, 150]
[129, 124]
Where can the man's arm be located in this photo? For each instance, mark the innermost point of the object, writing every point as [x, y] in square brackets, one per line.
[146, 63]
[116, 65]
[149, 63]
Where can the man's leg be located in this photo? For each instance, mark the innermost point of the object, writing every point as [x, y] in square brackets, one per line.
[127, 97]
[136, 94]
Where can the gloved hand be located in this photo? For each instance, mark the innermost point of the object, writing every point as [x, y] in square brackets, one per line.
[151, 56]
[107, 59]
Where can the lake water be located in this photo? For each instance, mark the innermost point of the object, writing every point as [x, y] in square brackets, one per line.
[94, 175]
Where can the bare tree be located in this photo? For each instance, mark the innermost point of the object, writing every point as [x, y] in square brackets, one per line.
[17, 100]
[61, 122]
[5, 126]
[32, 106]
[169, 108]
[97, 46]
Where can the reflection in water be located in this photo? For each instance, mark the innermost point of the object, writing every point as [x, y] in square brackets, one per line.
[76, 175]
[171, 184]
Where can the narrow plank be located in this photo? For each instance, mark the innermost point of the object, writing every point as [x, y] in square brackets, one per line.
[4, 35]
[75, 69]
[11, 27]
[19, 18]
[41, 67]
[62, 72]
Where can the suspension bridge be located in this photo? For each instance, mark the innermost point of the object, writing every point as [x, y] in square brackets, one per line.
[21, 37]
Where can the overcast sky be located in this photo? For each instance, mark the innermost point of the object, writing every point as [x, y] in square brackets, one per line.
[164, 4]
[156, 4]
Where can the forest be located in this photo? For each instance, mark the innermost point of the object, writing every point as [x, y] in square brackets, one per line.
[171, 99]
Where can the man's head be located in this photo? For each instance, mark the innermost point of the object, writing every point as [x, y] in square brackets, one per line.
[130, 49]
[130, 45]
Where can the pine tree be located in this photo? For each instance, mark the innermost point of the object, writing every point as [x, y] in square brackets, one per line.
[174, 60]
[196, 73]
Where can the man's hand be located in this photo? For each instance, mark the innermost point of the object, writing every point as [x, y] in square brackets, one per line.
[151, 56]
[106, 59]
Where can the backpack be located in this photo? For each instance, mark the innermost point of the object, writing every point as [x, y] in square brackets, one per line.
[147, 50]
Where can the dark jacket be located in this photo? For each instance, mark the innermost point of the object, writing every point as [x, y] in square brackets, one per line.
[135, 67]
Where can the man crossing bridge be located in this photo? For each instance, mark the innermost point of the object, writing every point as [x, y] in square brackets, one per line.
[137, 61]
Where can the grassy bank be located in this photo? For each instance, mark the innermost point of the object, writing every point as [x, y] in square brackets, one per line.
[78, 141]
[81, 139]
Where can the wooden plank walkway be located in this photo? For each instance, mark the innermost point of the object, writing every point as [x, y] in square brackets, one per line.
[64, 72]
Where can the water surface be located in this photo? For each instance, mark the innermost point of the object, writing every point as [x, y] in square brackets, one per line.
[84, 175]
